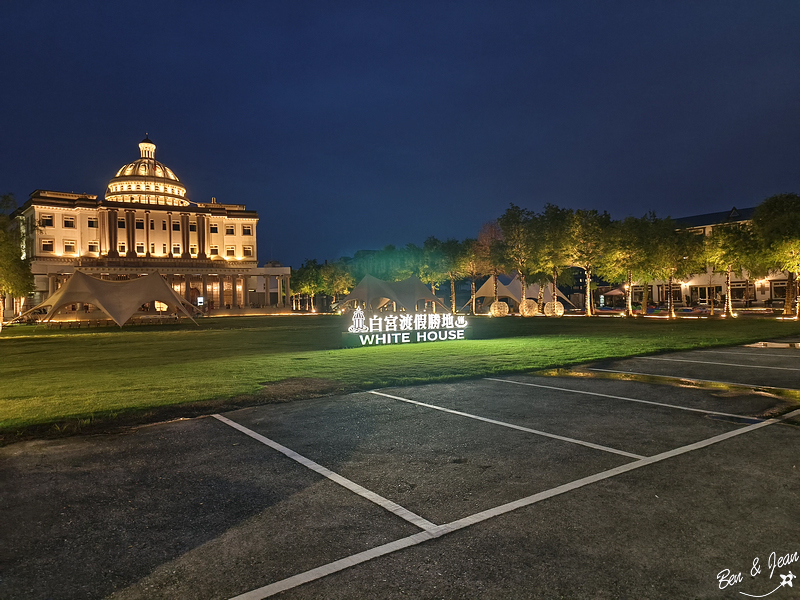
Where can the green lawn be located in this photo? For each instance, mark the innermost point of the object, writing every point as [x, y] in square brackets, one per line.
[54, 380]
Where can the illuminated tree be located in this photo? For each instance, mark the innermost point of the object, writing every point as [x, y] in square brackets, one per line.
[472, 265]
[776, 221]
[336, 279]
[490, 251]
[553, 225]
[587, 244]
[16, 279]
[518, 244]
[677, 253]
[735, 249]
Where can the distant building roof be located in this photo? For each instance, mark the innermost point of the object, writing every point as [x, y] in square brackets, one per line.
[734, 215]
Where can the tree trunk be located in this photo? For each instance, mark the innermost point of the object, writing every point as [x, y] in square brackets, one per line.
[645, 297]
[589, 304]
[787, 304]
[540, 299]
[2, 309]
[728, 300]
[472, 290]
[494, 281]
[670, 301]
[555, 284]
[796, 294]
[433, 302]
[453, 294]
[629, 299]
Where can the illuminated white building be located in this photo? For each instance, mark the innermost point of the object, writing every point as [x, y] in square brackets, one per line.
[147, 223]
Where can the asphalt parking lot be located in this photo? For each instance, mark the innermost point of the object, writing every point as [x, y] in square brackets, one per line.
[599, 485]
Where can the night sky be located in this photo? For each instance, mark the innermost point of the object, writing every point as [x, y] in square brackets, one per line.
[353, 125]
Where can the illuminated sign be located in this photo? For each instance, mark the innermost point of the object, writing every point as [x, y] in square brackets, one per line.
[402, 328]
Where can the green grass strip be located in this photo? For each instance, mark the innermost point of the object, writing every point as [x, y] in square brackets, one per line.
[55, 380]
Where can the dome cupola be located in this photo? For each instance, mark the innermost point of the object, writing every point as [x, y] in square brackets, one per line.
[146, 181]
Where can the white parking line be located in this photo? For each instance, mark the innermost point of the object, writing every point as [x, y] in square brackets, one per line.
[702, 362]
[413, 540]
[756, 354]
[344, 482]
[737, 383]
[552, 387]
[512, 426]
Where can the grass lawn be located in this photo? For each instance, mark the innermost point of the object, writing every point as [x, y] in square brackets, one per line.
[66, 380]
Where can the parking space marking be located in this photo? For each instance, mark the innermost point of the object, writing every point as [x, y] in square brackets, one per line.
[416, 539]
[679, 378]
[385, 503]
[703, 362]
[758, 354]
[512, 426]
[552, 387]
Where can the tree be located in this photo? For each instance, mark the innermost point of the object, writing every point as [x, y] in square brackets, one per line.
[472, 265]
[336, 279]
[307, 281]
[16, 278]
[587, 244]
[518, 244]
[733, 248]
[677, 253]
[490, 250]
[452, 251]
[553, 224]
[777, 223]
[431, 263]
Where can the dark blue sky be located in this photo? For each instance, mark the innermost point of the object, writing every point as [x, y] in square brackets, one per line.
[353, 125]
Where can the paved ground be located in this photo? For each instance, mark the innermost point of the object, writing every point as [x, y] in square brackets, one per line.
[514, 487]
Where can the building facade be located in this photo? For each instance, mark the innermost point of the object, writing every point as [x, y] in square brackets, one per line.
[146, 223]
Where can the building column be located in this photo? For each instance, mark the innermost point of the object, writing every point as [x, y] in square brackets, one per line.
[112, 233]
[205, 289]
[147, 233]
[234, 292]
[245, 291]
[51, 285]
[288, 288]
[185, 236]
[130, 233]
[201, 236]
[169, 236]
[187, 283]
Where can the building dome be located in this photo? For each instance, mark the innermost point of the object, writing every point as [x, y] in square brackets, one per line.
[146, 181]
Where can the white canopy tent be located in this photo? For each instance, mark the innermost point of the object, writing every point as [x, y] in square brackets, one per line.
[120, 300]
[513, 290]
[376, 293]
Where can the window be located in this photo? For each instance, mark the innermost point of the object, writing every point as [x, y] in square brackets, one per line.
[163, 225]
[163, 248]
[120, 223]
[47, 246]
[152, 248]
[214, 228]
[247, 230]
[230, 250]
[214, 251]
[192, 249]
[152, 225]
[139, 223]
[69, 222]
[121, 248]
[46, 221]
[92, 222]
[94, 246]
[69, 246]
[139, 248]
[176, 248]
[192, 226]
[176, 226]
[229, 230]
[247, 250]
